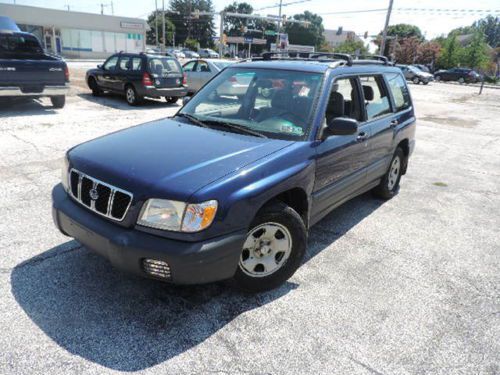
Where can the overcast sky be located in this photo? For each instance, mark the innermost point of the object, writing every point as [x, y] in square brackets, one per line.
[431, 24]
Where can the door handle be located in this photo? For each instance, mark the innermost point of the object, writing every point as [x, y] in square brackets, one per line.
[362, 137]
[394, 123]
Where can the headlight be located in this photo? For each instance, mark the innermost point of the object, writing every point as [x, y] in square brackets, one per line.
[64, 173]
[177, 216]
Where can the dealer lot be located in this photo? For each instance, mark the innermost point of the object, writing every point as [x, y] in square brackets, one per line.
[409, 286]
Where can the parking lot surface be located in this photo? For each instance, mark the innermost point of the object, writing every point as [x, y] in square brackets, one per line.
[408, 286]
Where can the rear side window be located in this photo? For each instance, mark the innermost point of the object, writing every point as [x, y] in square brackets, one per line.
[376, 96]
[399, 89]
[124, 63]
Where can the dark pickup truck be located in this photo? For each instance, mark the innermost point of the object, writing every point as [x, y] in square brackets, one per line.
[26, 70]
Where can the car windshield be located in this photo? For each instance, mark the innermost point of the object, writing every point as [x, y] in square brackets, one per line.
[163, 66]
[414, 69]
[269, 102]
[19, 44]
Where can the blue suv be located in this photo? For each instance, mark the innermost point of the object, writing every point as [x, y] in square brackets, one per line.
[228, 187]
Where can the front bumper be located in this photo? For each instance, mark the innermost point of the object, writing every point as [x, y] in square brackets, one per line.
[45, 91]
[157, 93]
[190, 262]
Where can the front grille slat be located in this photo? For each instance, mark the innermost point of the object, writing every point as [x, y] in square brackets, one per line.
[97, 196]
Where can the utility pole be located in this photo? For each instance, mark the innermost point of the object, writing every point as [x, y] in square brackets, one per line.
[112, 8]
[221, 34]
[102, 8]
[279, 26]
[163, 18]
[384, 35]
[189, 21]
[156, 22]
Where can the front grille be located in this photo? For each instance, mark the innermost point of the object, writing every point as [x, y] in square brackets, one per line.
[156, 268]
[98, 196]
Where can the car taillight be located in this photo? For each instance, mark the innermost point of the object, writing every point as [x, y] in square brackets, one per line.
[66, 73]
[184, 79]
[146, 80]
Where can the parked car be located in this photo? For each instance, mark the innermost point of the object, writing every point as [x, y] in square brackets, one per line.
[208, 53]
[199, 72]
[26, 70]
[178, 54]
[462, 75]
[415, 75]
[230, 188]
[422, 67]
[137, 76]
[190, 54]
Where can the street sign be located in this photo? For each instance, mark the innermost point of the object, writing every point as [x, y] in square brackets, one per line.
[248, 40]
[270, 33]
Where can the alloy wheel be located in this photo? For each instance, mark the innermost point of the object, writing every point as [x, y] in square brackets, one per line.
[394, 173]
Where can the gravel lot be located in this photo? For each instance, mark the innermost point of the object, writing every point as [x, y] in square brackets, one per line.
[409, 286]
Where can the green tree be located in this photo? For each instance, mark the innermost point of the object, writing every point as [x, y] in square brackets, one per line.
[312, 35]
[404, 30]
[151, 34]
[406, 50]
[490, 27]
[233, 25]
[192, 44]
[352, 47]
[428, 52]
[475, 54]
[451, 52]
[188, 27]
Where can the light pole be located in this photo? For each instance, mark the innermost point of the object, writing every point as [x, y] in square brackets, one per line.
[384, 34]
[279, 25]
[163, 18]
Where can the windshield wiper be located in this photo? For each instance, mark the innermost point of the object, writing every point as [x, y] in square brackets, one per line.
[193, 119]
[238, 128]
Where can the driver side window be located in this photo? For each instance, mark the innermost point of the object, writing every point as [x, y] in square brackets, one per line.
[111, 63]
[344, 100]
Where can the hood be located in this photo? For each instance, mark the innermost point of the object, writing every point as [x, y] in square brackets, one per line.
[425, 74]
[168, 159]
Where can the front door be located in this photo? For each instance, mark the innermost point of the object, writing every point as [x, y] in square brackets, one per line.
[341, 160]
[106, 76]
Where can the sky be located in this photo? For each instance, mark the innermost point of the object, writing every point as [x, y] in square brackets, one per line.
[432, 24]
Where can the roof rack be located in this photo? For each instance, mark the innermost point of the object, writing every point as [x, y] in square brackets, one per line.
[372, 59]
[314, 56]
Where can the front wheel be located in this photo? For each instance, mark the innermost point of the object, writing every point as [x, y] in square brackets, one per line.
[273, 250]
[171, 99]
[389, 185]
[58, 101]
[416, 81]
[438, 78]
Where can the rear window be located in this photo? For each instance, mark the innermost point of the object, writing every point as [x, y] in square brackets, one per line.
[19, 44]
[163, 66]
[399, 89]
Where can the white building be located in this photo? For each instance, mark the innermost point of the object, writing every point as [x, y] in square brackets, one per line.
[77, 34]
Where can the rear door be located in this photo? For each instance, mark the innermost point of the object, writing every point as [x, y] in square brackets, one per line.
[380, 119]
[165, 71]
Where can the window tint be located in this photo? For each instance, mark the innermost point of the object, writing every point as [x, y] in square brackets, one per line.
[124, 63]
[376, 97]
[136, 63]
[202, 67]
[343, 101]
[111, 63]
[397, 85]
[189, 66]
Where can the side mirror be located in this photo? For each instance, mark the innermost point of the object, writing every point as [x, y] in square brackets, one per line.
[185, 100]
[99, 66]
[341, 126]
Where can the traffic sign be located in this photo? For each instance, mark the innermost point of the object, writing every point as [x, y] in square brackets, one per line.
[270, 33]
[248, 39]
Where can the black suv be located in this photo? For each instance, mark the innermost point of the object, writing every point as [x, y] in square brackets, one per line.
[229, 187]
[137, 76]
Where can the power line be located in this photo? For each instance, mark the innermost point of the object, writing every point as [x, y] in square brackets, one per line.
[278, 5]
[472, 12]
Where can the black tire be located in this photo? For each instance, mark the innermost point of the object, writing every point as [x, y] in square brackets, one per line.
[58, 101]
[416, 80]
[283, 215]
[437, 78]
[461, 80]
[131, 96]
[389, 185]
[426, 82]
[96, 91]
[171, 99]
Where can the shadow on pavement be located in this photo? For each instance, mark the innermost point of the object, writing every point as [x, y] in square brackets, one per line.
[118, 102]
[127, 323]
[11, 107]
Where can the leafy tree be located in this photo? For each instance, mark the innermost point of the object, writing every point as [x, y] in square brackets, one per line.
[351, 47]
[404, 30]
[475, 54]
[490, 27]
[300, 34]
[233, 25]
[151, 34]
[451, 52]
[192, 44]
[406, 50]
[186, 26]
[428, 52]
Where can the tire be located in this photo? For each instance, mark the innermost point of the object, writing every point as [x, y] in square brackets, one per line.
[286, 230]
[461, 80]
[389, 185]
[131, 96]
[58, 101]
[426, 82]
[96, 91]
[416, 80]
[171, 99]
[438, 78]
